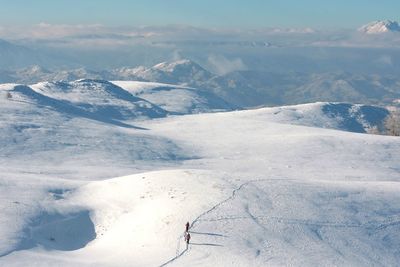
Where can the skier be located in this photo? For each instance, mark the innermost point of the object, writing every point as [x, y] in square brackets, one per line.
[187, 239]
[187, 227]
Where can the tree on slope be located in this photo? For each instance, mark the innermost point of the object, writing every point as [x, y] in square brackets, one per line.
[392, 123]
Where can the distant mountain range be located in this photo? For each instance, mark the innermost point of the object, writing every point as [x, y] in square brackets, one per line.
[247, 88]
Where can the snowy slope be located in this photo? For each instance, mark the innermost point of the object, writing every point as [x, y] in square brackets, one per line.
[101, 98]
[51, 135]
[339, 116]
[332, 196]
[176, 99]
[140, 228]
[264, 187]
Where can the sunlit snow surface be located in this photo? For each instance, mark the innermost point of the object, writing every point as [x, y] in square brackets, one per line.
[265, 187]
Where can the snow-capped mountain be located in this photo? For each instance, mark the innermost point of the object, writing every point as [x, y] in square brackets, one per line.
[377, 27]
[183, 72]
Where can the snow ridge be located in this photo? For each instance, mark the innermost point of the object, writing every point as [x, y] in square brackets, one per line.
[100, 98]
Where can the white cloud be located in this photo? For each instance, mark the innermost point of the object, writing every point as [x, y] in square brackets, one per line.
[89, 35]
[176, 55]
[222, 65]
[48, 31]
[177, 36]
[291, 30]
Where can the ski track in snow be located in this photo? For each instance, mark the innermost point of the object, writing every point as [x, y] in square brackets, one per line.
[198, 219]
[370, 225]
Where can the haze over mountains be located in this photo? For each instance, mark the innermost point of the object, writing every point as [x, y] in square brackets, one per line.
[219, 50]
[264, 67]
[241, 88]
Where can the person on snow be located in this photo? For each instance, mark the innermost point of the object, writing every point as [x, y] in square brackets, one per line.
[187, 227]
[187, 238]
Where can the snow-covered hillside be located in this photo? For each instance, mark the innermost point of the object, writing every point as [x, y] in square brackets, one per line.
[340, 116]
[64, 124]
[263, 187]
[101, 98]
[176, 99]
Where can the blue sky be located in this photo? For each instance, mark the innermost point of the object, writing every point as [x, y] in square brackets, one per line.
[204, 13]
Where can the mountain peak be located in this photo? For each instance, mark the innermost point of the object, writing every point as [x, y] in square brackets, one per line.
[380, 26]
[171, 66]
